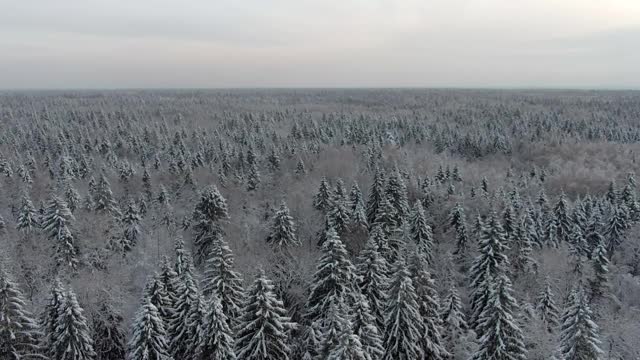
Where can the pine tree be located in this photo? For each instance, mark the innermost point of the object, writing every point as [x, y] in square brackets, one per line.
[73, 336]
[263, 330]
[372, 271]
[283, 230]
[364, 325]
[335, 325]
[403, 324]
[546, 306]
[217, 341]
[131, 221]
[221, 280]
[209, 214]
[156, 292]
[300, 168]
[563, 222]
[55, 222]
[334, 277]
[523, 262]
[396, 193]
[18, 328]
[386, 217]
[51, 317]
[109, 338]
[27, 216]
[579, 333]
[501, 337]
[149, 340]
[428, 307]
[486, 267]
[453, 320]
[615, 227]
[421, 232]
[350, 347]
[600, 283]
[103, 198]
[253, 180]
[184, 321]
[72, 197]
[322, 199]
[376, 194]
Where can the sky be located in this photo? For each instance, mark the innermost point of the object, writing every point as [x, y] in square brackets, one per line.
[71, 44]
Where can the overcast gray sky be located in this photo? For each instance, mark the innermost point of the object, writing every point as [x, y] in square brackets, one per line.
[324, 43]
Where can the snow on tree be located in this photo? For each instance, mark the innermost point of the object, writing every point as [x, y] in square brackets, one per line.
[600, 282]
[156, 292]
[365, 325]
[349, 348]
[488, 265]
[209, 214]
[452, 315]
[300, 168]
[184, 322]
[376, 195]
[546, 307]
[334, 277]
[55, 222]
[217, 341]
[404, 328]
[27, 215]
[131, 221]
[221, 280]
[109, 338]
[372, 270]
[428, 307]
[72, 196]
[615, 228]
[149, 340]
[396, 193]
[283, 230]
[579, 338]
[335, 325]
[501, 337]
[73, 339]
[253, 180]
[263, 327]
[322, 199]
[51, 317]
[18, 328]
[103, 198]
[386, 217]
[421, 232]
[563, 221]
[339, 214]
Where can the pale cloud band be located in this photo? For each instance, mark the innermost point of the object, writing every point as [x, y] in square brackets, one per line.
[331, 43]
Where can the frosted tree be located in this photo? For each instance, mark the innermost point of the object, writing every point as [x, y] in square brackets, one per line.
[27, 215]
[579, 339]
[404, 330]
[372, 271]
[149, 340]
[51, 317]
[396, 193]
[364, 325]
[18, 328]
[356, 198]
[221, 280]
[217, 342]
[453, 320]
[131, 221]
[546, 307]
[109, 338]
[283, 230]
[253, 179]
[335, 325]
[185, 315]
[421, 232]
[72, 197]
[103, 198]
[563, 221]
[428, 306]
[73, 336]
[349, 348]
[322, 199]
[55, 221]
[488, 264]
[263, 328]
[156, 293]
[386, 217]
[334, 277]
[615, 228]
[600, 282]
[501, 337]
[376, 194]
[300, 168]
[209, 214]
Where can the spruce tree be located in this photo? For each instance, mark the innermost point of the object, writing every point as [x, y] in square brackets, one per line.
[372, 270]
[131, 222]
[501, 337]
[615, 228]
[73, 336]
[339, 214]
[217, 342]
[421, 232]
[563, 222]
[263, 329]
[283, 230]
[334, 277]
[51, 317]
[396, 193]
[55, 222]
[376, 194]
[103, 198]
[149, 340]
[253, 180]
[600, 282]
[18, 328]
[322, 199]
[452, 315]
[364, 325]
[209, 214]
[109, 338]
[546, 306]
[221, 280]
[27, 216]
[185, 318]
[579, 339]
[335, 325]
[404, 328]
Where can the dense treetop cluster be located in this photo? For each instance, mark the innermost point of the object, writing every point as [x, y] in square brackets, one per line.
[319, 224]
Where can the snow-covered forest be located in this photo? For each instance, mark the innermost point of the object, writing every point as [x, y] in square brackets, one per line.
[319, 224]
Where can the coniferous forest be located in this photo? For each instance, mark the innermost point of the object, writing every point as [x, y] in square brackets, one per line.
[319, 224]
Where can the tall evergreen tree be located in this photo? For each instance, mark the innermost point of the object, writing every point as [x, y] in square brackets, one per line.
[376, 194]
[73, 336]
[421, 232]
[579, 339]
[372, 271]
[103, 198]
[546, 306]
[109, 338]
[600, 282]
[283, 230]
[396, 193]
[501, 337]
[51, 317]
[149, 340]
[563, 221]
[364, 325]
[263, 329]
[18, 328]
[217, 342]
[322, 199]
[209, 214]
[453, 320]
[27, 215]
[185, 318]
[221, 280]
